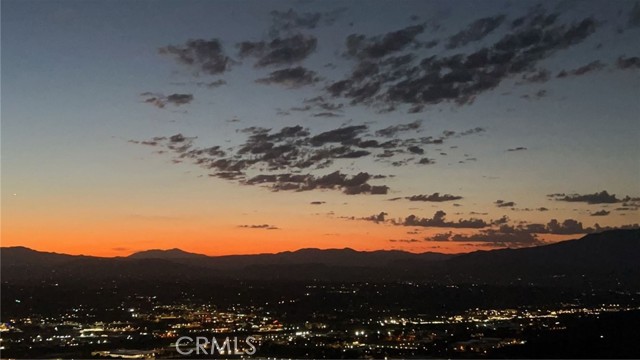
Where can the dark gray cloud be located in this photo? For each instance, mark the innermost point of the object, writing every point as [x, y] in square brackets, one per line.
[502, 203]
[566, 227]
[590, 67]
[213, 84]
[440, 237]
[144, 142]
[346, 135]
[602, 197]
[494, 237]
[179, 99]
[529, 209]
[160, 100]
[363, 47]
[600, 213]
[377, 218]
[500, 239]
[392, 130]
[519, 148]
[326, 114]
[524, 234]
[408, 241]
[397, 67]
[476, 130]
[321, 106]
[476, 31]
[288, 159]
[279, 51]
[501, 221]
[319, 102]
[350, 185]
[628, 62]
[426, 161]
[438, 220]
[291, 78]
[420, 78]
[435, 197]
[207, 84]
[205, 56]
[598, 228]
[262, 226]
[540, 76]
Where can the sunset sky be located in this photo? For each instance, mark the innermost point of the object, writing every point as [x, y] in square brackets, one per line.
[237, 127]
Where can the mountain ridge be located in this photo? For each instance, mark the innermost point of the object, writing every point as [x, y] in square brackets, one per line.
[605, 259]
[149, 253]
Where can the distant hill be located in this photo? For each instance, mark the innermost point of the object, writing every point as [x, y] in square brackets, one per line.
[329, 257]
[333, 264]
[603, 257]
[170, 254]
[20, 255]
[603, 260]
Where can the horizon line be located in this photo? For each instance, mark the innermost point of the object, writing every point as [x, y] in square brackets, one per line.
[311, 248]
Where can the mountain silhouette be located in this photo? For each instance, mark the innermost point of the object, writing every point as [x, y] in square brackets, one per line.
[602, 260]
[165, 254]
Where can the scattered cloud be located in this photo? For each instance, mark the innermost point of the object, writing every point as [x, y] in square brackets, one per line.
[350, 185]
[289, 158]
[426, 161]
[602, 197]
[392, 130]
[590, 67]
[502, 203]
[389, 72]
[213, 84]
[363, 47]
[523, 234]
[519, 148]
[206, 56]
[495, 237]
[540, 76]
[381, 217]
[262, 226]
[566, 227]
[628, 62]
[476, 31]
[291, 78]
[435, 197]
[408, 241]
[279, 51]
[160, 100]
[438, 220]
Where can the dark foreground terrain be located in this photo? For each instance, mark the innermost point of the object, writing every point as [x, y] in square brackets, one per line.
[577, 299]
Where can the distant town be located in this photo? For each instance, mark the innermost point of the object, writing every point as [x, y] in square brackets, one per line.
[143, 327]
[574, 299]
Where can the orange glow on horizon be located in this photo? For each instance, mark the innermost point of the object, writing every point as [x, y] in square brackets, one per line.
[226, 241]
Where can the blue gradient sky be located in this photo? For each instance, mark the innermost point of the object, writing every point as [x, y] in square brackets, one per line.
[72, 181]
